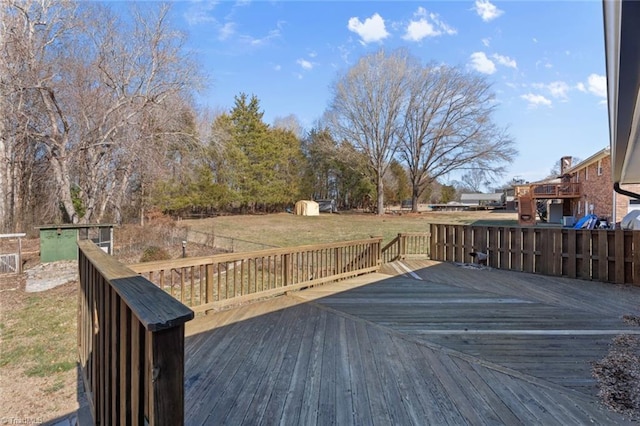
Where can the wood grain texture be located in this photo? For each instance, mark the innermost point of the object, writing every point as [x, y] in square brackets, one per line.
[395, 351]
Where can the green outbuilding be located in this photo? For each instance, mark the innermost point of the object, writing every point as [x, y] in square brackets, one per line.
[60, 242]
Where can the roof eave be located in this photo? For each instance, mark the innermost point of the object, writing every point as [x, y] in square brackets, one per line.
[622, 48]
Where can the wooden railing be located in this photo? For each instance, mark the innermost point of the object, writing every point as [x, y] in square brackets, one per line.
[205, 283]
[130, 344]
[556, 190]
[407, 244]
[602, 255]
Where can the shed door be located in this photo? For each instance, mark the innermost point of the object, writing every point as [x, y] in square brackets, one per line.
[58, 245]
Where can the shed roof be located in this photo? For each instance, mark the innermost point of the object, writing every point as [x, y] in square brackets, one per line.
[76, 226]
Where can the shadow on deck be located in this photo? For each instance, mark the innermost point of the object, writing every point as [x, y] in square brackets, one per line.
[435, 344]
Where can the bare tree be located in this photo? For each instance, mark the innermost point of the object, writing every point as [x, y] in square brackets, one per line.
[448, 126]
[556, 170]
[368, 106]
[474, 180]
[290, 123]
[32, 131]
[97, 96]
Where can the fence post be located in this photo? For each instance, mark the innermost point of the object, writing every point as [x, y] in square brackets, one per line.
[619, 256]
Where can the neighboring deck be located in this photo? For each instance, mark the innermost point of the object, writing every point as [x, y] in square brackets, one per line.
[441, 345]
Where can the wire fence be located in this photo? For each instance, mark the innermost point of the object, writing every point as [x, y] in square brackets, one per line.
[225, 243]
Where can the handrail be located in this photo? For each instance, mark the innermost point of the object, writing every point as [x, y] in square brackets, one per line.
[391, 251]
[210, 282]
[407, 244]
[130, 343]
[556, 190]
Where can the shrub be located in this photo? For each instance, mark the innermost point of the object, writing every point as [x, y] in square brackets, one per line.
[152, 253]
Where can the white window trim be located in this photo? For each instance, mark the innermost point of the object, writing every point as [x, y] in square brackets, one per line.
[599, 170]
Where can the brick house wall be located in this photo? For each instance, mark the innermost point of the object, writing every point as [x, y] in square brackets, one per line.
[597, 190]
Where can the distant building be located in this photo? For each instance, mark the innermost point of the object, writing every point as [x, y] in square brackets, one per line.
[483, 200]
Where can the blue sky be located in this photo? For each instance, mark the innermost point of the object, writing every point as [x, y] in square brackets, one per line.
[545, 59]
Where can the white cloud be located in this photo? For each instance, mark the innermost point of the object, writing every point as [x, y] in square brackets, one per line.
[262, 41]
[226, 31]
[597, 84]
[482, 64]
[200, 13]
[505, 60]
[371, 30]
[304, 64]
[486, 41]
[426, 25]
[487, 10]
[536, 100]
[277, 67]
[543, 63]
[581, 87]
[345, 51]
[558, 89]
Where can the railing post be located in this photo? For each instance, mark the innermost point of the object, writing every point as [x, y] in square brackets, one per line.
[287, 267]
[376, 253]
[167, 376]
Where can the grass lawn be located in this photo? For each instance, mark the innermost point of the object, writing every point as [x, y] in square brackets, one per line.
[38, 377]
[286, 230]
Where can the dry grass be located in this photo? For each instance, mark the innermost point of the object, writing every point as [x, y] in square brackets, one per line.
[286, 230]
[38, 378]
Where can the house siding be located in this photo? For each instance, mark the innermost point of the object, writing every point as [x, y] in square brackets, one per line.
[597, 191]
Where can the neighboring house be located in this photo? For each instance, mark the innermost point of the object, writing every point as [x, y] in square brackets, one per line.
[585, 188]
[482, 200]
[598, 196]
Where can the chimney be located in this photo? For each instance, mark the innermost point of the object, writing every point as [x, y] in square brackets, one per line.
[565, 164]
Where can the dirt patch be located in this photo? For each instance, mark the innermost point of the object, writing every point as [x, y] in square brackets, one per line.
[46, 276]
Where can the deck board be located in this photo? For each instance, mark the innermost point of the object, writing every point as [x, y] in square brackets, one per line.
[524, 331]
[503, 349]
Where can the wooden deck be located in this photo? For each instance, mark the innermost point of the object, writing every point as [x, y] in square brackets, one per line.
[441, 344]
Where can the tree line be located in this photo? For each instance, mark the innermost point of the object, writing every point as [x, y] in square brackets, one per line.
[99, 124]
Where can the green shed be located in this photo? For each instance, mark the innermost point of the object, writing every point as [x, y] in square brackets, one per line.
[59, 242]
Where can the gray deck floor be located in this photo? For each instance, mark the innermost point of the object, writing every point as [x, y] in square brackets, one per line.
[441, 345]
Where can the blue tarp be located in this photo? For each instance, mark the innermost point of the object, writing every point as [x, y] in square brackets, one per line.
[587, 222]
